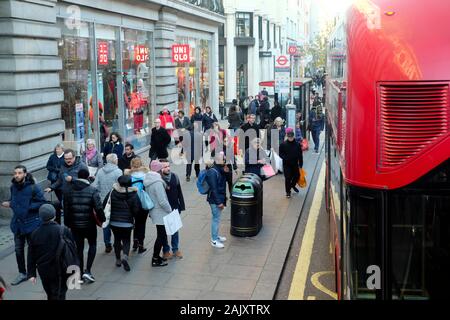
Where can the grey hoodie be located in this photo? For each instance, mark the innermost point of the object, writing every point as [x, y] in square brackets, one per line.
[156, 189]
[106, 178]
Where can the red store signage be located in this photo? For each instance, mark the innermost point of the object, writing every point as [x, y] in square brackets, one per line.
[102, 53]
[181, 53]
[140, 54]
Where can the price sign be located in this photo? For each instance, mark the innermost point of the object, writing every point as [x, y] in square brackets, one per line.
[102, 53]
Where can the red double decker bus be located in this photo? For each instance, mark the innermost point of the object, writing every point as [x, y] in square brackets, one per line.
[388, 149]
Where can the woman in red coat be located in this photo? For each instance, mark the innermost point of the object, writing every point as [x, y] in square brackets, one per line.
[167, 121]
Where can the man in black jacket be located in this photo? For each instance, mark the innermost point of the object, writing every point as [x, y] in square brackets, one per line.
[79, 206]
[291, 153]
[125, 160]
[159, 141]
[249, 125]
[43, 247]
[176, 200]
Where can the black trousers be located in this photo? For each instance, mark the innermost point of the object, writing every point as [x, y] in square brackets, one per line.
[58, 205]
[122, 239]
[55, 288]
[291, 175]
[189, 169]
[229, 178]
[19, 243]
[161, 239]
[139, 227]
[79, 235]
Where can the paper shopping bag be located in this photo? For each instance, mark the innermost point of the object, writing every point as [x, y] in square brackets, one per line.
[302, 180]
[172, 222]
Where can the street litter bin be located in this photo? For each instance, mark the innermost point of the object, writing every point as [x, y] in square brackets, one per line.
[246, 206]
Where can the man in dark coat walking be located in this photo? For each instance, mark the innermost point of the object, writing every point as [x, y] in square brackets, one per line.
[26, 199]
[125, 160]
[291, 153]
[43, 249]
[159, 141]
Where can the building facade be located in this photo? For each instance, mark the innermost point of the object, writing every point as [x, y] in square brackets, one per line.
[254, 34]
[78, 69]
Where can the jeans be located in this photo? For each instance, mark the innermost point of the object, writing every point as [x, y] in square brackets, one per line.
[107, 235]
[175, 240]
[316, 138]
[215, 222]
[19, 242]
[59, 205]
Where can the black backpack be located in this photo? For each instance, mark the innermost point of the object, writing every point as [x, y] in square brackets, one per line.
[66, 254]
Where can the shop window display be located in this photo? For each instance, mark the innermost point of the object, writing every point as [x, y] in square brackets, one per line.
[204, 73]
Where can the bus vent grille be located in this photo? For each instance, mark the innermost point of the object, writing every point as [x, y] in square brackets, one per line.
[412, 117]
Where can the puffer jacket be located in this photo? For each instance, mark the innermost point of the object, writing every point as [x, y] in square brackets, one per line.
[79, 206]
[26, 199]
[72, 171]
[106, 177]
[156, 189]
[125, 204]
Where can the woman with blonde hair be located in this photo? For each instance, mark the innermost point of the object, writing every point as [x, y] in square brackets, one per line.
[137, 173]
[92, 158]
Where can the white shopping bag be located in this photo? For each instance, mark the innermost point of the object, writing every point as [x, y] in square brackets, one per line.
[276, 161]
[172, 222]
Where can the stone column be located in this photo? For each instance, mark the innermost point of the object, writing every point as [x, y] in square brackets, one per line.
[253, 87]
[230, 64]
[30, 94]
[165, 77]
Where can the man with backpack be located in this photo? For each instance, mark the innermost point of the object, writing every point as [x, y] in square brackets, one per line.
[26, 199]
[212, 182]
[46, 254]
[316, 125]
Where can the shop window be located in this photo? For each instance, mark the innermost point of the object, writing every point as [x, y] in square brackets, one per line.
[204, 73]
[244, 24]
[135, 77]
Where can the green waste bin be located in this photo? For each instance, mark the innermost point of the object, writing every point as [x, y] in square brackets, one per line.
[246, 206]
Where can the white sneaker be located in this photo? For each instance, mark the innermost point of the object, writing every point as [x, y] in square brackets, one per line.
[217, 244]
[222, 239]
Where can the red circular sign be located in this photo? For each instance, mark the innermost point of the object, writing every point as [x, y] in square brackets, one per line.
[292, 50]
[282, 60]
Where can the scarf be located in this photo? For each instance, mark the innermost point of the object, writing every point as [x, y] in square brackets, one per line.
[166, 179]
[91, 153]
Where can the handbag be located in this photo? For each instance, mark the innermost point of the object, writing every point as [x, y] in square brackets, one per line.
[304, 144]
[107, 211]
[267, 171]
[169, 126]
[277, 162]
[146, 201]
[302, 179]
[172, 222]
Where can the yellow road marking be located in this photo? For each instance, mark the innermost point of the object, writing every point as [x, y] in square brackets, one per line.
[297, 290]
[311, 298]
[315, 281]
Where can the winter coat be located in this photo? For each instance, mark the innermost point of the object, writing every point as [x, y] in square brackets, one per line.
[316, 122]
[26, 199]
[276, 112]
[156, 189]
[159, 141]
[42, 250]
[174, 193]
[125, 161]
[253, 107]
[183, 124]
[96, 161]
[125, 204]
[196, 117]
[111, 147]
[298, 135]
[71, 171]
[291, 153]
[235, 118]
[247, 126]
[217, 182]
[105, 179]
[54, 165]
[208, 120]
[165, 119]
[251, 159]
[79, 206]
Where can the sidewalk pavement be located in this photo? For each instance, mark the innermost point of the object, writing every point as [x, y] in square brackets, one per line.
[246, 269]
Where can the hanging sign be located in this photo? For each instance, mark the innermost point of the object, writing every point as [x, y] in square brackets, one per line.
[102, 53]
[181, 53]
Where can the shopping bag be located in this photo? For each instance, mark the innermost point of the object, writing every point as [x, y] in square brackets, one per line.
[302, 180]
[267, 171]
[304, 145]
[276, 161]
[172, 222]
[107, 211]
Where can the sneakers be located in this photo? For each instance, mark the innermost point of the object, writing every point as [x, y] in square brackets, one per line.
[188, 179]
[295, 189]
[217, 244]
[178, 255]
[222, 239]
[118, 263]
[288, 195]
[108, 248]
[88, 277]
[167, 255]
[19, 279]
[158, 262]
[141, 250]
[135, 245]
[126, 266]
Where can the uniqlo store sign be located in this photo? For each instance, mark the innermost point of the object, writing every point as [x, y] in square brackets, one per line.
[181, 53]
[102, 52]
[140, 54]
